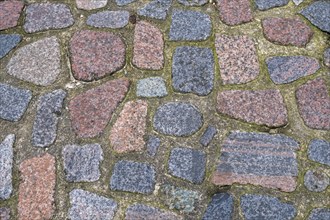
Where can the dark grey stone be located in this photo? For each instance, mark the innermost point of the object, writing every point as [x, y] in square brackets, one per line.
[319, 151]
[316, 181]
[221, 207]
[108, 19]
[326, 56]
[265, 207]
[208, 135]
[89, 206]
[8, 42]
[268, 4]
[156, 9]
[193, 70]
[4, 213]
[6, 166]
[81, 163]
[320, 214]
[318, 13]
[151, 87]
[153, 144]
[144, 212]
[124, 2]
[45, 124]
[13, 102]
[133, 177]
[193, 2]
[190, 26]
[178, 119]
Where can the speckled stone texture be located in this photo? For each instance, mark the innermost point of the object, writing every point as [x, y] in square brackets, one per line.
[221, 207]
[189, 25]
[156, 9]
[6, 166]
[319, 151]
[95, 54]
[266, 207]
[37, 188]
[13, 102]
[235, 12]
[238, 59]
[319, 214]
[124, 2]
[8, 42]
[318, 13]
[148, 47]
[258, 159]
[314, 104]
[45, 124]
[193, 2]
[151, 87]
[38, 62]
[153, 144]
[286, 69]
[298, 2]
[133, 177]
[262, 107]
[177, 119]
[108, 19]
[193, 70]
[316, 180]
[10, 12]
[4, 213]
[208, 135]
[268, 4]
[144, 212]
[287, 31]
[127, 132]
[91, 4]
[91, 111]
[89, 206]
[326, 56]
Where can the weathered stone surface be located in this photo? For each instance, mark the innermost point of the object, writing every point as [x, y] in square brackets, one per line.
[193, 2]
[133, 177]
[286, 69]
[4, 213]
[6, 166]
[235, 12]
[316, 180]
[319, 151]
[91, 4]
[298, 2]
[153, 144]
[318, 13]
[91, 111]
[156, 9]
[258, 159]
[221, 207]
[88, 206]
[266, 207]
[38, 62]
[314, 104]
[8, 42]
[127, 133]
[108, 19]
[45, 124]
[95, 54]
[37, 188]
[189, 25]
[124, 2]
[238, 59]
[287, 31]
[326, 56]
[319, 214]
[151, 87]
[268, 4]
[262, 107]
[144, 212]
[148, 47]
[208, 135]
[13, 102]
[10, 12]
[178, 119]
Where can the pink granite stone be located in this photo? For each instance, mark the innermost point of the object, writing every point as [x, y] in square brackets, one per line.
[10, 12]
[234, 12]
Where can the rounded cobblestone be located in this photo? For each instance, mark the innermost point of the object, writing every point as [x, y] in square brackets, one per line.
[316, 181]
[318, 13]
[319, 151]
[319, 214]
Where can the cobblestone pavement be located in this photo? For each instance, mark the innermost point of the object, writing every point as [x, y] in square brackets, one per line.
[163, 109]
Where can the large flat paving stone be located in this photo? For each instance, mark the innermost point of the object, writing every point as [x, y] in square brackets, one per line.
[8, 42]
[108, 19]
[268, 4]
[319, 151]
[10, 12]
[318, 13]
[144, 212]
[235, 12]
[156, 9]
[91, 4]
[151, 87]
[319, 214]
[6, 166]
[221, 207]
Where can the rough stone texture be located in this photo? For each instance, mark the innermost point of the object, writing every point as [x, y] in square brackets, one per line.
[127, 133]
[13, 102]
[37, 188]
[4, 213]
[319, 214]
[47, 16]
[95, 54]
[238, 59]
[208, 135]
[297, 2]
[262, 107]
[221, 207]
[151, 87]
[148, 47]
[91, 4]
[286, 69]
[89, 206]
[314, 104]
[178, 119]
[234, 12]
[81, 163]
[326, 56]
[316, 181]
[124, 2]
[144, 212]
[91, 111]
[193, 70]
[153, 144]
[6, 166]
[319, 151]
[287, 31]
[156, 9]
[10, 12]
[258, 159]
[193, 2]
[133, 177]
[189, 25]
[318, 13]
[266, 207]
[108, 19]
[268, 4]
[8, 42]
[38, 62]
[188, 164]
[48, 112]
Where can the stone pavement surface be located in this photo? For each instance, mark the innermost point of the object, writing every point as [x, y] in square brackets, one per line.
[165, 109]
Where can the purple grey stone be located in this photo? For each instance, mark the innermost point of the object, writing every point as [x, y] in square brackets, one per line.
[221, 207]
[316, 181]
[156, 9]
[6, 166]
[320, 214]
[318, 13]
[208, 135]
[8, 42]
[268, 4]
[109, 19]
[319, 151]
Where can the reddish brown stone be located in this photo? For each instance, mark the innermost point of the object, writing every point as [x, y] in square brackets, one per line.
[91, 111]
[314, 104]
[95, 54]
[262, 107]
[10, 12]
[287, 31]
[234, 12]
[127, 133]
[148, 47]
[36, 191]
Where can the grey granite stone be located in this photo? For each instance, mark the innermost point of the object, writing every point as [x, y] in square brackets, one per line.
[8, 42]
[318, 13]
[81, 163]
[208, 135]
[316, 180]
[89, 206]
[133, 177]
[153, 144]
[178, 119]
[108, 19]
[6, 166]
[13, 102]
[320, 214]
[124, 2]
[156, 9]
[4, 213]
[326, 56]
[193, 70]
[221, 207]
[45, 124]
[319, 151]
[268, 4]
[193, 2]
[144, 212]
[91, 4]
[151, 87]
[297, 2]
[189, 26]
